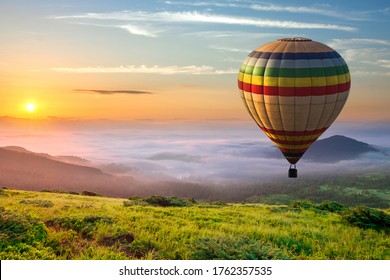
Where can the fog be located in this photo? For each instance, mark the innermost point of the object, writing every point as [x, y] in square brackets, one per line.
[211, 151]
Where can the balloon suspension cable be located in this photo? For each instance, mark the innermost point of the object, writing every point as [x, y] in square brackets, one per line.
[293, 172]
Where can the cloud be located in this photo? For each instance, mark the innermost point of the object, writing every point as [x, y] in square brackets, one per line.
[116, 168]
[156, 69]
[355, 42]
[365, 56]
[201, 4]
[223, 152]
[362, 73]
[325, 10]
[219, 48]
[111, 92]
[315, 10]
[131, 28]
[384, 62]
[136, 30]
[200, 17]
[176, 156]
[230, 34]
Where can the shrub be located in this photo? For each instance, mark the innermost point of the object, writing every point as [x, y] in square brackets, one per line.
[84, 226]
[135, 201]
[88, 193]
[128, 203]
[302, 204]
[327, 206]
[218, 203]
[230, 248]
[2, 192]
[365, 217]
[72, 192]
[282, 209]
[135, 198]
[57, 191]
[39, 203]
[163, 201]
[140, 249]
[21, 236]
[331, 206]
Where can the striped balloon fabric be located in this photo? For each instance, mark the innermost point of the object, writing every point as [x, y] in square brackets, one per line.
[294, 88]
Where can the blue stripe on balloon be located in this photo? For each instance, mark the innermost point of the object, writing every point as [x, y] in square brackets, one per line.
[294, 56]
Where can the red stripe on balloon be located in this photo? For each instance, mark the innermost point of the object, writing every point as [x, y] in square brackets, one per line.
[294, 91]
[291, 142]
[293, 151]
[293, 133]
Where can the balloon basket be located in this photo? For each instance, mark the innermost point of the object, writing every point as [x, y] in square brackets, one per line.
[292, 172]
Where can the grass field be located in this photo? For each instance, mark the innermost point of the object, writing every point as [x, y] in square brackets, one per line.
[42, 225]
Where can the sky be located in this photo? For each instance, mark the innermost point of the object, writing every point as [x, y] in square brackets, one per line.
[170, 60]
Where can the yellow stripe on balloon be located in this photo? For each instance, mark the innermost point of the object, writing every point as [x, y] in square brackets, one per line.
[247, 78]
[241, 76]
[295, 82]
[297, 147]
[293, 138]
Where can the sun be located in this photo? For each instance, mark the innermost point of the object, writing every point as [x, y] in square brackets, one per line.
[30, 107]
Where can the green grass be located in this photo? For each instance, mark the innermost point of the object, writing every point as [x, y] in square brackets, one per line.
[375, 194]
[93, 227]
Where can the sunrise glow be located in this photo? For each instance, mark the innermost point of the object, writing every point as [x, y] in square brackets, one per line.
[30, 107]
[58, 57]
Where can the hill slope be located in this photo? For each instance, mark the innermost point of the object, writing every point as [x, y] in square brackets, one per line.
[78, 227]
[67, 159]
[27, 170]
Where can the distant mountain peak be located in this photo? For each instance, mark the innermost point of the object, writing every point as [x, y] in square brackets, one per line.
[17, 149]
[336, 148]
[333, 149]
[338, 137]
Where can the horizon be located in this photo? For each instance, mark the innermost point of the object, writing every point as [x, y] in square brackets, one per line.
[213, 152]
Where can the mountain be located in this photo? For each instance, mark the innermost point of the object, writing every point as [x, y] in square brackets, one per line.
[23, 169]
[333, 149]
[110, 168]
[26, 170]
[67, 159]
[337, 148]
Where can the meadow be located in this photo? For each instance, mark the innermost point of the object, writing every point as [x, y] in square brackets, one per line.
[47, 225]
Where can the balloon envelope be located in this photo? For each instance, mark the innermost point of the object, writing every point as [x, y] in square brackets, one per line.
[294, 88]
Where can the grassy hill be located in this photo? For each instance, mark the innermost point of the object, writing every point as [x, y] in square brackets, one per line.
[43, 225]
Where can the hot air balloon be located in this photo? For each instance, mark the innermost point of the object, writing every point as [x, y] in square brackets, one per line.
[294, 88]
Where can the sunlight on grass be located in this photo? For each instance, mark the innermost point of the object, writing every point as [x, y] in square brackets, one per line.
[83, 227]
